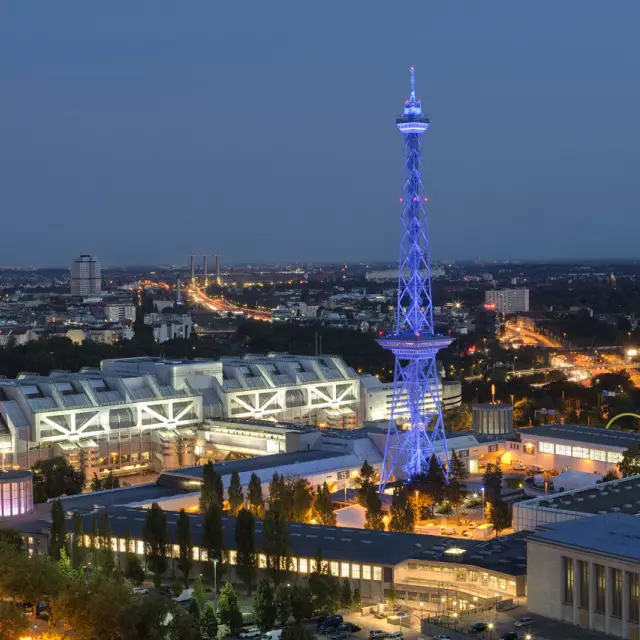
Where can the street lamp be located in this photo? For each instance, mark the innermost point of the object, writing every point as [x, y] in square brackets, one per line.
[528, 636]
[490, 630]
[215, 581]
[482, 504]
[421, 605]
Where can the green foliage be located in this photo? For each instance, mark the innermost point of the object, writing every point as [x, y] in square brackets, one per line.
[246, 556]
[283, 603]
[323, 511]
[374, 516]
[264, 605]
[630, 463]
[325, 589]
[276, 545]
[492, 482]
[455, 493]
[365, 482]
[256, 501]
[236, 499]
[346, 597]
[77, 546]
[402, 516]
[301, 499]
[357, 598]
[183, 626]
[611, 475]
[457, 467]
[58, 537]
[12, 537]
[176, 588]
[212, 489]
[183, 533]
[54, 478]
[13, 623]
[156, 542]
[228, 610]
[213, 537]
[209, 623]
[133, 569]
[499, 517]
[301, 602]
[198, 594]
[297, 632]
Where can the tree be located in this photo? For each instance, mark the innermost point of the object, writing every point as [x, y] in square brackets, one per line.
[212, 489]
[283, 604]
[111, 481]
[499, 517]
[611, 475]
[106, 557]
[374, 518]
[13, 622]
[256, 501]
[346, 597]
[213, 537]
[12, 538]
[325, 589]
[199, 595]
[454, 493]
[276, 546]
[77, 545]
[228, 610]
[264, 605]
[183, 626]
[58, 537]
[209, 623]
[357, 598]
[236, 499]
[301, 602]
[630, 463]
[55, 477]
[430, 484]
[297, 632]
[245, 547]
[457, 468]
[364, 482]
[156, 541]
[301, 499]
[492, 481]
[323, 512]
[402, 516]
[96, 483]
[278, 495]
[133, 570]
[183, 533]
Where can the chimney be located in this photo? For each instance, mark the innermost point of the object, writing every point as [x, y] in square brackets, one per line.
[193, 268]
[178, 292]
[218, 268]
[204, 267]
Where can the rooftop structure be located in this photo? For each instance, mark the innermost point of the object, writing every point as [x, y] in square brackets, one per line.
[86, 276]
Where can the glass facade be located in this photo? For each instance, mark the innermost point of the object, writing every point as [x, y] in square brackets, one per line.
[567, 567]
[600, 455]
[601, 588]
[16, 494]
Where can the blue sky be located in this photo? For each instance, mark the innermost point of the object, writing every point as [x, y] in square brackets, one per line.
[144, 131]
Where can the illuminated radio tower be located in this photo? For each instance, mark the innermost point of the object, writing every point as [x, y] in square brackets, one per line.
[414, 344]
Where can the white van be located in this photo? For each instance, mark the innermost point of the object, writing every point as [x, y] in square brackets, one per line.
[396, 635]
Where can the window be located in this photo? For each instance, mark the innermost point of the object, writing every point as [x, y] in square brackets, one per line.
[583, 567]
[333, 568]
[502, 583]
[634, 597]
[232, 557]
[580, 452]
[461, 575]
[614, 456]
[204, 555]
[545, 447]
[377, 573]
[567, 570]
[262, 561]
[601, 588]
[344, 570]
[485, 578]
[196, 554]
[473, 576]
[598, 454]
[355, 571]
[366, 572]
[140, 547]
[563, 450]
[616, 593]
[493, 580]
[304, 565]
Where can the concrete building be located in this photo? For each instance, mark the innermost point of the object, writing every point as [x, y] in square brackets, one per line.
[588, 576]
[320, 390]
[564, 446]
[492, 419]
[120, 312]
[168, 326]
[376, 397]
[99, 421]
[508, 301]
[86, 276]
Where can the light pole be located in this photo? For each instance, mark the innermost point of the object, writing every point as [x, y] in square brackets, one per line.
[528, 636]
[482, 504]
[421, 605]
[215, 582]
[490, 630]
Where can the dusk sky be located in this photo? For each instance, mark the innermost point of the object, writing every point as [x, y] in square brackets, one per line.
[144, 131]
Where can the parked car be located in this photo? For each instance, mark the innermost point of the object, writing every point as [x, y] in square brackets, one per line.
[478, 627]
[349, 626]
[331, 622]
[467, 534]
[377, 633]
[525, 621]
[441, 637]
[396, 635]
[139, 591]
[510, 635]
[340, 634]
[254, 632]
[274, 634]
[165, 591]
[447, 531]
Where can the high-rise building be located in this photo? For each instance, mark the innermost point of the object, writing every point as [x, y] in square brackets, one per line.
[86, 278]
[508, 301]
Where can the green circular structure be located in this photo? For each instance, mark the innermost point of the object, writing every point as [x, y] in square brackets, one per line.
[621, 415]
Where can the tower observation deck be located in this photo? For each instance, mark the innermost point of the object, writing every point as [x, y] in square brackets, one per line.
[414, 343]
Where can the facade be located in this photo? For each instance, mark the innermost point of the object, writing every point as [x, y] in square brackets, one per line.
[376, 398]
[565, 446]
[168, 326]
[617, 496]
[99, 421]
[588, 576]
[492, 419]
[120, 312]
[16, 494]
[320, 390]
[508, 301]
[86, 276]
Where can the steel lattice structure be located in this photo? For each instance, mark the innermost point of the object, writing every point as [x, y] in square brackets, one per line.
[414, 342]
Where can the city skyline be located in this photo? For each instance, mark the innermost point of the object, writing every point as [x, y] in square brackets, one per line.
[127, 138]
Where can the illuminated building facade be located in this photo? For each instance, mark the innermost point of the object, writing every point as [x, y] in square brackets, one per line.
[16, 494]
[414, 342]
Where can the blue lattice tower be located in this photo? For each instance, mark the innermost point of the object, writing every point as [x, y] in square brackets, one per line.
[414, 344]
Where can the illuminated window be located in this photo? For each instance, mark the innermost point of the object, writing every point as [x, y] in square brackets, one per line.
[563, 450]
[503, 584]
[493, 580]
[567, 564]
[614, 456]
[204, 555]
[580, 452]
[176, 551]
[545, 447]
[333, 568]
[344, 570]
[485, 578]
[377, 573]
[232, 557]
[139, 547]
[262, 561]
[366, 572]
[304, 565]
[598, 454]
[196, 553]
[355, 571]
[294, 565]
